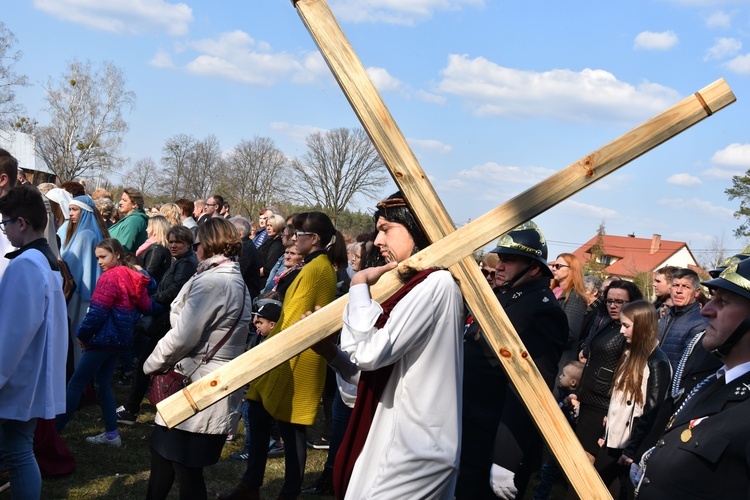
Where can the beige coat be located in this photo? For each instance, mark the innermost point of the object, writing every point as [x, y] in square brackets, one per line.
[200, 316]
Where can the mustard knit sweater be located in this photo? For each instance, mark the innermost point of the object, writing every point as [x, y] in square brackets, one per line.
[291, 391]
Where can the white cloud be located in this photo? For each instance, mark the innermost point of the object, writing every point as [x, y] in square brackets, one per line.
[431, 145]
[501, 174]
[740, 64]
[722, 173]
[735, 154]
[429, 97]
[588, 96]
[238, 57]
[719, 19]
[649, 40]
[724, 47]
[162, 59]
[579, 209]
[696, 205]
[684, 180]
[315, 70]
[395, 11]
[297, 133]
[383, 81]
[124, 17]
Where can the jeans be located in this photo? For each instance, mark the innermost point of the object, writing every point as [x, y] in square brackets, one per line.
[98, 364]
[341, 416]
[17, 453]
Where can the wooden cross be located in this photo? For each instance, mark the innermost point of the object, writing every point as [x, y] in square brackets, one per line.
[453, 249]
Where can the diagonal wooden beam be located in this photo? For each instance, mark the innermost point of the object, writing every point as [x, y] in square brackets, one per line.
[395, 151]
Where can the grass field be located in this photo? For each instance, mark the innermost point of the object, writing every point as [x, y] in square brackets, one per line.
[122, 473]
[103, 472]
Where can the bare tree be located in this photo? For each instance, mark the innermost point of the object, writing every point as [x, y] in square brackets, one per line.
[9, 79]
[205, 168]
[86, 126]
[145, 176]
[255, 175]
[177, 159]
[337, 165]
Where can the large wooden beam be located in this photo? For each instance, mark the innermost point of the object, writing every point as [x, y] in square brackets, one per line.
[452, 248]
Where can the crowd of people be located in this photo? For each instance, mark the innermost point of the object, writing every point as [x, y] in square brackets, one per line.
[416, 403]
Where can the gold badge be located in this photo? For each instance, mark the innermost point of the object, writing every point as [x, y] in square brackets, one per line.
[686, 435]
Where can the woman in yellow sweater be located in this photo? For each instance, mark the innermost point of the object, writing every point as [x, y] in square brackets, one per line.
[290, 393]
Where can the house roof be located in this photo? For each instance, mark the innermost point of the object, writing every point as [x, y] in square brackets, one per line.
[634, 255]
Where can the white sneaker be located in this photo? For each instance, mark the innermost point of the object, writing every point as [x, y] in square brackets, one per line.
[103, 439]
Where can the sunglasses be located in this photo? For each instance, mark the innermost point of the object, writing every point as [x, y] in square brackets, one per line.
[557, 266]
[196, 245]
[488, 274]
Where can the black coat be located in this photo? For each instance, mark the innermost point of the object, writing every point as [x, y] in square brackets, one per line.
[269, 253]
[174, 279]
[156, 260]
[250, 267]
[602, 351]
[713, 459]
[495, 421]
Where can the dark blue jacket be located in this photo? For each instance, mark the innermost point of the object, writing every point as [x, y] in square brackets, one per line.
[677, 328]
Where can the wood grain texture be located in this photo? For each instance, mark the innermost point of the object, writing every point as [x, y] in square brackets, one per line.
[455, 247]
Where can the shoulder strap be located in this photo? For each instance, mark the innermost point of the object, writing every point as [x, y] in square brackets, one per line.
[216, 348]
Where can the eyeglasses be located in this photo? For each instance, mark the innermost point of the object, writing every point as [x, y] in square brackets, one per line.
[557, 266]
[196, 245]
[6, 222]
[616, 302]
[297, 234]
[487, 273]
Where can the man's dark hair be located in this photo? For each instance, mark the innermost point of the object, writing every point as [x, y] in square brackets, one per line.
[219, 200]
[25, 201]
[186, 206]
[688, 274]
[395, 209]
[668, 272]
[9, 166]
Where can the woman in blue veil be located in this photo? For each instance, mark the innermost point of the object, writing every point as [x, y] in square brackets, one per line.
[85, 230]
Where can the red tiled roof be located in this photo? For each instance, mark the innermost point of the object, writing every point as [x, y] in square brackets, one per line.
[633, 254]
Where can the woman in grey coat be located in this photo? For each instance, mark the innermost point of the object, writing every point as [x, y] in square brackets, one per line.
[204, 311]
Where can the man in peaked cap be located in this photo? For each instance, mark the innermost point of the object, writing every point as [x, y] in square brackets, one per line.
[500, 444]
[705, 450]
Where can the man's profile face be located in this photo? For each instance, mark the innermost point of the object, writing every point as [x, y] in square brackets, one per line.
[508, 267]
[393, 240]
[211, 206]
[661, 285]
[725, 311]
[683, 292]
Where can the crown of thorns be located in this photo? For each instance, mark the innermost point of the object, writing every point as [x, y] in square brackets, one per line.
[391, 203]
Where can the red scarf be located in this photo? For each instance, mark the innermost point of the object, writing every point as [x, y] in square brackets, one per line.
[369, 391]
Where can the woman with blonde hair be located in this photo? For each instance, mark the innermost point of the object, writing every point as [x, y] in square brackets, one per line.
[153, 255]
[173, 214]
[568, 287]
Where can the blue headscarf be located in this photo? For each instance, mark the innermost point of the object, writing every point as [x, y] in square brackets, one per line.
[79, 251]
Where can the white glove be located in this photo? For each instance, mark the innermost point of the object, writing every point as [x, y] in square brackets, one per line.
[501, 482]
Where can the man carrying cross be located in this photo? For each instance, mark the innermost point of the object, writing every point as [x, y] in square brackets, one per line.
[705, 450]
[403, 438]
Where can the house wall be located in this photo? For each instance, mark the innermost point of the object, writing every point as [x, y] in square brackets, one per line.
[682, 258]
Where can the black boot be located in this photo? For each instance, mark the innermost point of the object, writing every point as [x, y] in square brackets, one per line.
[323, 486]
[240, 492]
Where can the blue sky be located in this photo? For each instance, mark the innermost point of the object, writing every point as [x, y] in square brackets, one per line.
[493, 96]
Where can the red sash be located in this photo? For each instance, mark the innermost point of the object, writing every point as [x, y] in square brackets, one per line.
[369, 391]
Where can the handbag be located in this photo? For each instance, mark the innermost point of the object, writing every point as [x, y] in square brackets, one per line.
[170, 382]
